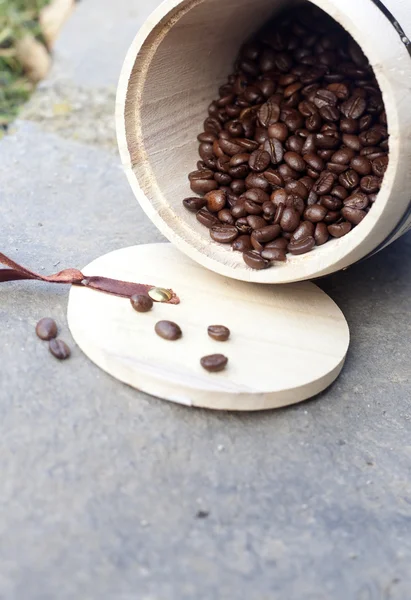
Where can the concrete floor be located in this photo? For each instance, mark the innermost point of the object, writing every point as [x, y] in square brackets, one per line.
[101, 485]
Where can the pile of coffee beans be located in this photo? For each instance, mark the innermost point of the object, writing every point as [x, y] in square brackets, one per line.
[294, 150]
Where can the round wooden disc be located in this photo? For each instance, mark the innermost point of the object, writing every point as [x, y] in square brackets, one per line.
[287, 343]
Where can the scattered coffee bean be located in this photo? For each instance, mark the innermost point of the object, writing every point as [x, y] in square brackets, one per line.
[214, 362]
[46, 329]
[59, 349]
[141, 302]
[168, 330]
[220, 333]
[296, 141]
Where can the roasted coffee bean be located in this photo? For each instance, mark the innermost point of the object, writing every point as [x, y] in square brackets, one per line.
[314, 161]
[242, 243]
[219, 333]
[281, 243]
[259, 160]
[312, 198]
[168, 330]
[340, 90]
[206, 218]
[269, 211]
[365, 122]
[253, 208]
[349, 126]
[214, 362]
[269, 113]
[215, 200]
[256, 244]
[338, 230]
[370, 184]
[257, 180]
[278, 131]
[292, 118]
[254, 260]
[238, 186]
[349, 179]
[296, 188]
[326, 141]
[304, 230]
[330, 202]
[339, 192]
[206, 137]
[267, 233]
[307, 108]
[59, 349]
[324, 183]
[256, 222]
[239, 172]
[353, 215]
[239, 159]
[141, 303]
[313, 122]
[354, 107]
[225, 216]
[247, 145]
[379, 166]
[301, 246]
[325, 154]
[275, 150]
[370, 137]
[256, 195]
[358, 200]
[229, 147]
[295, 161]
[223, 164]
[343, 156]
[315, 213]
[361, 165]
[332, 216]
[295, 144]
[224, 234]
[261, 135]
[296, 202]
[279, 197]
[46, 329]
[309, 145]
[290, 219]
[274, 254]
[336, 168]
[307, 182]
[372, 152]
[217, 150]
[222, 179]
[203, 186]
[273, 177]
[243, 226]
[321, 234]
[201, 174]
[352, 142]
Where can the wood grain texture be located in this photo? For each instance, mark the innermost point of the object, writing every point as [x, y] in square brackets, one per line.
[287, 343]
[172, 71]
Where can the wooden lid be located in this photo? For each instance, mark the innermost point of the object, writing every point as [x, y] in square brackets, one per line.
[287, 343]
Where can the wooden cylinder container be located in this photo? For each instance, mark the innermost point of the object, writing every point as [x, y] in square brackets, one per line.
[172, 71]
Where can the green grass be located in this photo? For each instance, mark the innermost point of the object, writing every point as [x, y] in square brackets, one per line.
[17, 17]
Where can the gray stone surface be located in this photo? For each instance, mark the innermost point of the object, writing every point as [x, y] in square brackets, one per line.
[101, 485]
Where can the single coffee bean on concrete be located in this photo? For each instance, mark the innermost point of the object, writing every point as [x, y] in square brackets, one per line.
[168, 330]
[46, 329]
[141, 303]
[220, 333]
[214, 362]
[59, 349]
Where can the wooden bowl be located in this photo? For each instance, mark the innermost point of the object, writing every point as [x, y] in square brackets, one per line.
[172, 71]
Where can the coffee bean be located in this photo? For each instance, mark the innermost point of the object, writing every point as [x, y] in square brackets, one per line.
[349, 179]
[239, 159]
[269, 113]
[275, 150]
[343, 156]
[315, 213]
[379, 166]
[59, 349]
[267, 233]
[259, 160]
[336, 168]
[253, 260]
[338, 230]
[330, 202]
[214, 362]
[321, 234]
[224, 234]
[301, 246]
[325, 141]
[281, 243]
[269, 211]
[304, 230]
[201, 174]
[203, 186]
[273, 177]
[243, 225]
[206, 137]
[278, 131]
[295, 161]
[220, 333]
[296, 188]
[332, 216]
[206, 218]
[46, 329]
[257, 180]
[223, 179]
[290, 219]
[215, 200]
[314, 161]
[370, 184]
[324, 183]
[358, 200]
[274, 254]
[253, 208]
[194, 204]
[353, 215]
[256, 244]
[238, 186]
[354, 107]
[340, 90]
[242, 243]
[141, 302]
[295, 144]
[168, 330]
[256, 222]
[225, 216]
